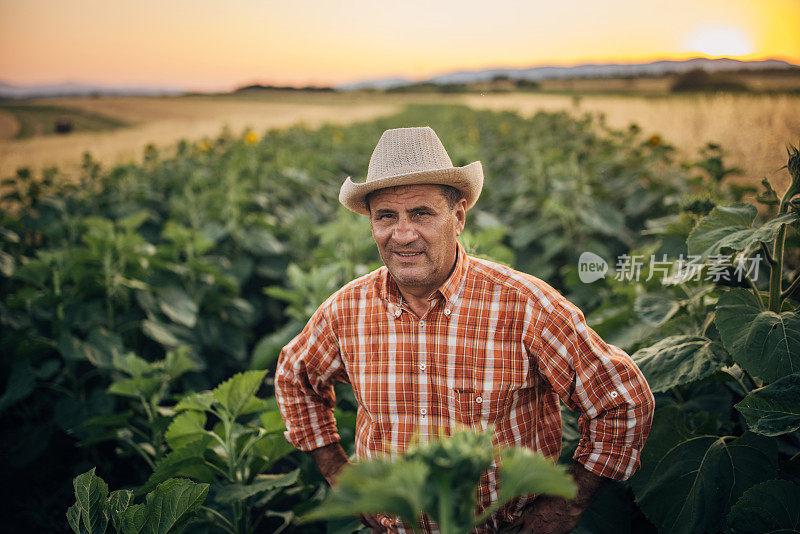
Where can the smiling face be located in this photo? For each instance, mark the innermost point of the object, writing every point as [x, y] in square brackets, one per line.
[415, 230]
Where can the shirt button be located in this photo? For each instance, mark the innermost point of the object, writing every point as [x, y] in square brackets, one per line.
[421, 324]
[398, 312]
[614, 394]
[479, 400]
[447, 311]
[423, 411]
[422, 366]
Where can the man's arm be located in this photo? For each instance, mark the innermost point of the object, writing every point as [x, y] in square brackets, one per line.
[331, 460]
[555, 515]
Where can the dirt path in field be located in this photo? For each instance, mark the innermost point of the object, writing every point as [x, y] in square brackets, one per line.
[754, 130]
[164, 121]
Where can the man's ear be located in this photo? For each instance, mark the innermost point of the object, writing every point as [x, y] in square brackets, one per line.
[460, 210]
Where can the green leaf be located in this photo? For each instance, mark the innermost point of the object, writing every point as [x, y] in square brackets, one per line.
[118, 502]
[188, 461]
[272, 422]
[764, 343]
[767, 507]
[239, 492]
[178, 306]
[173, 505]
[376, 485]
[775, 409]
[273, 447]
[679, 360]
[158, 331]
[133, 519]
[656, 309]
[178, 362]
[21, 383]
[132, 364]
[610, 513]
[729, 228]
[524, 471]
[134, 387]
[688, 484]
[187, 427]
[236, 392]
[104, 345]
[90, 494]
[269, 347]
[74, 518]
[201, 402]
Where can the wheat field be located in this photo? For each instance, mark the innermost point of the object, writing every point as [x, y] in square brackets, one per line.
[753, 129]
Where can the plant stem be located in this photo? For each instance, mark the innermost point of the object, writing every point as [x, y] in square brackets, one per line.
[776, 273]
[775, 293]
[225, 524]
[753, 286]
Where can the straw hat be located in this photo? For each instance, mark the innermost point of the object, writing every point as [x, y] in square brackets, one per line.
[411, 156]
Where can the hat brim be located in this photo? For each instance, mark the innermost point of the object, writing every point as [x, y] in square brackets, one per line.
[467, 179]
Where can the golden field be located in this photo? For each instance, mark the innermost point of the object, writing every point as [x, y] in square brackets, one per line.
[752, 128]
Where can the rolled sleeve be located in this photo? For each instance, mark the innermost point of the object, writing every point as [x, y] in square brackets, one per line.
[306, 369]
[601, 382]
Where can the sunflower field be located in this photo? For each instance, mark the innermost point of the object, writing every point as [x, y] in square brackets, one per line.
[143, 308]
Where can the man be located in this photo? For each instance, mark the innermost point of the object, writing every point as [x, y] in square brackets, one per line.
[437, 340]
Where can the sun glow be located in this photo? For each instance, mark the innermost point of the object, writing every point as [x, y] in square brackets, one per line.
[720, 41]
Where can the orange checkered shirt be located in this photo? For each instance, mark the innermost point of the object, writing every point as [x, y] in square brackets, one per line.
[496, 347]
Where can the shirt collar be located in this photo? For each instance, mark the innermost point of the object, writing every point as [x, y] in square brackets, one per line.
[449, 289]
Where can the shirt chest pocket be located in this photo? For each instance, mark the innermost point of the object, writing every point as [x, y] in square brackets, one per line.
[479, 408]
[484, 391]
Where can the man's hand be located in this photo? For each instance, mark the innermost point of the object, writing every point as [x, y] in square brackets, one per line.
[330, 460]
[554, 515]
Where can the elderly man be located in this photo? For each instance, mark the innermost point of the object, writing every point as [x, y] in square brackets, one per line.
[438, 340]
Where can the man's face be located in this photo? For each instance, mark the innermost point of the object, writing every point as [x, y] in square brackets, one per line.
[415, 230]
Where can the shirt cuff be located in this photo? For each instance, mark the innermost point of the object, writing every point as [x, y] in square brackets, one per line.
[606, 460]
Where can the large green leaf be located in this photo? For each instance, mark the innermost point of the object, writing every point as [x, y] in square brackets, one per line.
[187, 426]
[173, 505]
[679, 360]
[688, 483]
[188, 461]
[178, 306]
[90, 494]
[239, 492]
[273, 447]
[134, 519]
[377, 486]
[769, 507]
[764, 343]
[656, 308]
[729, 228]
[118, 502]
[775, 409]
[236, 392]
[524, 471]
[610, 513]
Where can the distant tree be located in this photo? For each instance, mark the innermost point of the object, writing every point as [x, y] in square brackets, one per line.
[700, 80]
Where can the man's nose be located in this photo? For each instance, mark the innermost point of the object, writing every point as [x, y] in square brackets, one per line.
[404, 232]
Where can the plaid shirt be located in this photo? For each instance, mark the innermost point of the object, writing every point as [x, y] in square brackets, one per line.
[496, 347]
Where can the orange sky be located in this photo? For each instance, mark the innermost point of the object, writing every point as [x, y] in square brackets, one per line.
[200, 44]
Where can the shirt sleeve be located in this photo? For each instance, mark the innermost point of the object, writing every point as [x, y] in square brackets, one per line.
[304, 377]
[601, 382]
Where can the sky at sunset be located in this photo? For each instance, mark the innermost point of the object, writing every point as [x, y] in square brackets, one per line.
[204, 45]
